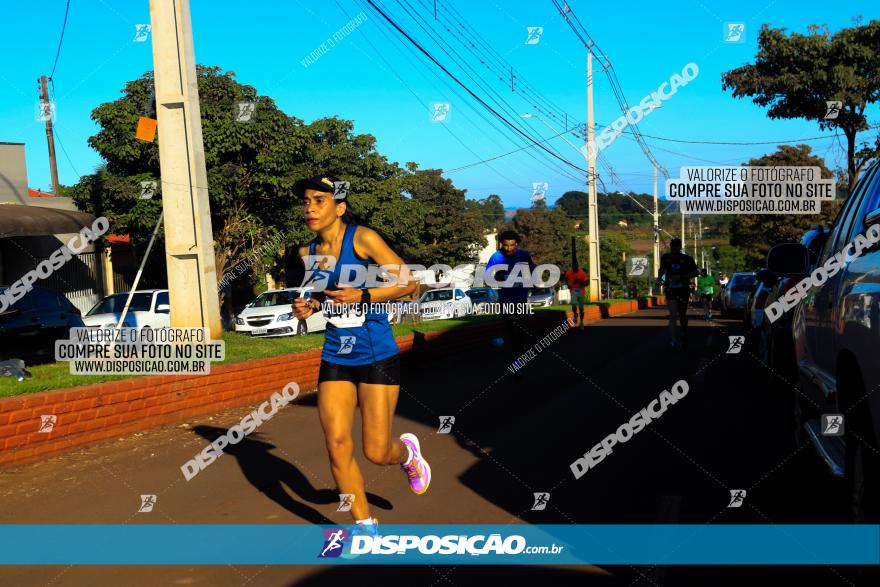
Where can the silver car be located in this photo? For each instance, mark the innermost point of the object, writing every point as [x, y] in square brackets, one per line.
[734, 296]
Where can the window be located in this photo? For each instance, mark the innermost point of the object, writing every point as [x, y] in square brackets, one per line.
[841, 229]
[140, 302]
[162, 300]
[275, 298]
[436, 296]
[870, 202]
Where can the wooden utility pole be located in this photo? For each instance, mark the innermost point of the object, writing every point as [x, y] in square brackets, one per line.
[656, 225]
[189, 247]
[46, 112]
[592, 203]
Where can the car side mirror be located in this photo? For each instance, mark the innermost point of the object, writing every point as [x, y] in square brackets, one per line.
[872, 218]
[789, 260]
[163, 309]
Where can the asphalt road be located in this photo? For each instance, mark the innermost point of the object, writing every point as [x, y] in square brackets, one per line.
[511, 438]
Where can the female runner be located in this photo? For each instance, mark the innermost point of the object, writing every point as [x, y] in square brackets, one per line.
[360, 360]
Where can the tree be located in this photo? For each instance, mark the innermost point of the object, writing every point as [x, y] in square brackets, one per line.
[545, 234]
[251, 168]
[612, 247]
[452, 233]
[795, 75]
[756, 233]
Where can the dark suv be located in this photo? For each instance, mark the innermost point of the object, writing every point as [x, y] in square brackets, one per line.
[836, 333]
[30, 326]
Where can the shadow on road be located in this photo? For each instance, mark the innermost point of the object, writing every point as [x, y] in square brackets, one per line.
[270, 474]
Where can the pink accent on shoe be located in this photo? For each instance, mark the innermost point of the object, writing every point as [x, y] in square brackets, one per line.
[417, 471]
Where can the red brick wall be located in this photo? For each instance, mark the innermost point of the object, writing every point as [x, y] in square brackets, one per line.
[93, 413]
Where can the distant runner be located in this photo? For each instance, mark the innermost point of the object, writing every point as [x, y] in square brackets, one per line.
[675, 273]
[706, 287]
[510, 256]
[577, 283]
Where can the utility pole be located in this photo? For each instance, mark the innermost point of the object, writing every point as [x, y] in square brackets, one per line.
[592, 203]
[189, 246]
[700, 221]
[656, 225]
[46, 112]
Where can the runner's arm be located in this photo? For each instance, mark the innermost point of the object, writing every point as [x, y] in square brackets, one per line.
[368, 244]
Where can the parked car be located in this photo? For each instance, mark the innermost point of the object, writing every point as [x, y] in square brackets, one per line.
[541, 296]
[775, 344]
[836, 331]
[563, 296]
[481, 297]
[271, 314]
[30, 326]
[149, 308]
[444, 303]
[756, 299]
[733, 297]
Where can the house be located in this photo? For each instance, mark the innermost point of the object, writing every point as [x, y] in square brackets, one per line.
[34, 224]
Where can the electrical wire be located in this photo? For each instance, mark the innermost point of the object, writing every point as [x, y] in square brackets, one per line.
[63, 28]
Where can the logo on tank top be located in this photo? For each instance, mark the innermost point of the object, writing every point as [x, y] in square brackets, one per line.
[318, 271]
[346, 345]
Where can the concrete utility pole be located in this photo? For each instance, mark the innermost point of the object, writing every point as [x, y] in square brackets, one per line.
[46, 111]
[656, 225]
[189, 247]
[592, 203]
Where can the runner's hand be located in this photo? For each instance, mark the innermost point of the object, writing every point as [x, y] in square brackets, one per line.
[302, 308]
[344, 295]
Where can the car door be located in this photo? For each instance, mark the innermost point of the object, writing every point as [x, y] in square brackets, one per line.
[821, 300]
[19, 328]
[857, 310]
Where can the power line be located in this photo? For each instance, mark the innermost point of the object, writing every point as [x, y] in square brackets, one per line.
[469, 71]
[498, 115]
[63, 150]
[63, 28]
[581, 32]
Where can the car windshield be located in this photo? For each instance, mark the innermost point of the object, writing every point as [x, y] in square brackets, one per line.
[478, 295]
[275, 298]
[140, 302]
[744, 280]
[436, 296]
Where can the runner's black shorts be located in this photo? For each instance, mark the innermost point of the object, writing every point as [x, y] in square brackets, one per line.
[706, 296]
[384, 372]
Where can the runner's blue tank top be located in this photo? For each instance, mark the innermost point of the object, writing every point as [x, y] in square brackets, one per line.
[364, 339]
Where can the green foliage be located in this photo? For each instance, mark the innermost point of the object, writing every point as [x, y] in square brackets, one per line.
[452, 233]
[611, 250]
[251, 169]
[756, 233]
[545, 234]
[794, 75]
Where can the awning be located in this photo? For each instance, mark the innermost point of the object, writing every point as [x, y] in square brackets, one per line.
[18, 220]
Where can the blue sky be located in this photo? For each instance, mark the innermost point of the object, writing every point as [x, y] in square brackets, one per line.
[374, 79]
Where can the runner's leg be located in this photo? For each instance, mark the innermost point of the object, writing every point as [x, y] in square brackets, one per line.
[672, 306]
[378, 403]
[336, 404]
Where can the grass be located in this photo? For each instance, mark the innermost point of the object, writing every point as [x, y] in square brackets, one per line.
[239, 347]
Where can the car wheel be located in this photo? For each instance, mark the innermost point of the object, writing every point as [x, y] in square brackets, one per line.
[301, 328]
[862, 464]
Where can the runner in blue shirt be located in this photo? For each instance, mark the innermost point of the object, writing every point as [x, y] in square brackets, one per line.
[509, 255]
[360, 361]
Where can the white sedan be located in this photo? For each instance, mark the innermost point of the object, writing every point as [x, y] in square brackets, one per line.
[271, 314]
[444, 303]
[149, 308]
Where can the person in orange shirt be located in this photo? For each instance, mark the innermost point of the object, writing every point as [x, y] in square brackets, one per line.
[577, 283]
